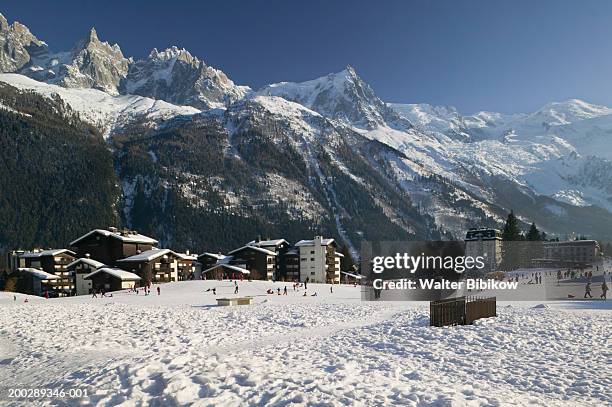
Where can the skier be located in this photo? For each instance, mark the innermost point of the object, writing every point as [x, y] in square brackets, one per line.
[236, 289]
[587, 290]
[604, 290]
[158, 291]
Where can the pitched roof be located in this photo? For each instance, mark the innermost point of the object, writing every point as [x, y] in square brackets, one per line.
[310, 242]
[94, 263]
[257, 249]
[228, 266]
[147, 255]
[270, 242]
[49, 252]
[127, 238]
[185, 256]
[43, 275]
[217, 256]
[115, 272]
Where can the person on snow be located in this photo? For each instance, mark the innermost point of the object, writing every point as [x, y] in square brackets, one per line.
[285, 291]
[214, 291]
[604, 290]
[331, 289]
[587, 290]
[278, 290]
[93, 294]
[236, 289]
[158, 290]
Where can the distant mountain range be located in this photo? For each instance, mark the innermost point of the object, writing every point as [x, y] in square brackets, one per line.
[203, 163]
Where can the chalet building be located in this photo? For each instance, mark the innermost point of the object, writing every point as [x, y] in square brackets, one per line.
[319, 261]
[79, 269]
[207, 260]
[224, 270]
[278, 246]
[34, 281]
[154, 265]
[486, 243]
[109, 246]
[111, 279]
[260, 262]
[186, 266]
[51, 261]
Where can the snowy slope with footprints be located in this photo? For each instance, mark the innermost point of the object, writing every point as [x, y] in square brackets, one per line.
[180, 349]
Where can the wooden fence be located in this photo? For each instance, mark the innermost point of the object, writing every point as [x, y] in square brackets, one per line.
[461, 310]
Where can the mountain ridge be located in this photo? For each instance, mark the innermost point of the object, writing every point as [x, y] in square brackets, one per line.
[321, 156]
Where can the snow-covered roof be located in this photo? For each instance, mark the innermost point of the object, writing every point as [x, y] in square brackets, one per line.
[270, 242]
[147, 255]
[357, 276]
[115, 272]
[131, 237]
[40, 274]
[257, 249]
[94, 263]
[184, 256]
[217, 256]
[49, 252]
[324, 242]
[228, 266]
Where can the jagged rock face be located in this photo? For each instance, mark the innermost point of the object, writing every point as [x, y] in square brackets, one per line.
[94, 64]
[343, 96]
[17, 46]
[174, 75]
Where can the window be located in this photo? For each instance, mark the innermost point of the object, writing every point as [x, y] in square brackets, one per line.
[303, 259]
[312, 252]
[312, 259]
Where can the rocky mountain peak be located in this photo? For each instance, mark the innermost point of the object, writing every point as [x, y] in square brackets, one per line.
[342, 96]
[17, 46]
[176, 76]
[3, 23]
[93, 64]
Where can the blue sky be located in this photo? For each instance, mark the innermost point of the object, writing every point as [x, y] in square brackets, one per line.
[510, 56]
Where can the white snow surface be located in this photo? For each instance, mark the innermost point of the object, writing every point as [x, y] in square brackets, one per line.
[101, 109]
[178, 348]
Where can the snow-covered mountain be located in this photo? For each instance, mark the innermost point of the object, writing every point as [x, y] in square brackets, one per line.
[110, 113]
[342, 96]
[326, 154]
[178, 77]
[17, 46]
[172, 75]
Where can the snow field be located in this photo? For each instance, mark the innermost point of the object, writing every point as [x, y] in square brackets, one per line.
[333, 349]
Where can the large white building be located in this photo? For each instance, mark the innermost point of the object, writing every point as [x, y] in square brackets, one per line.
[319, 261]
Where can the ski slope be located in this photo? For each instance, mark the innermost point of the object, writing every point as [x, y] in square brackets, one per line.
[178, 348]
